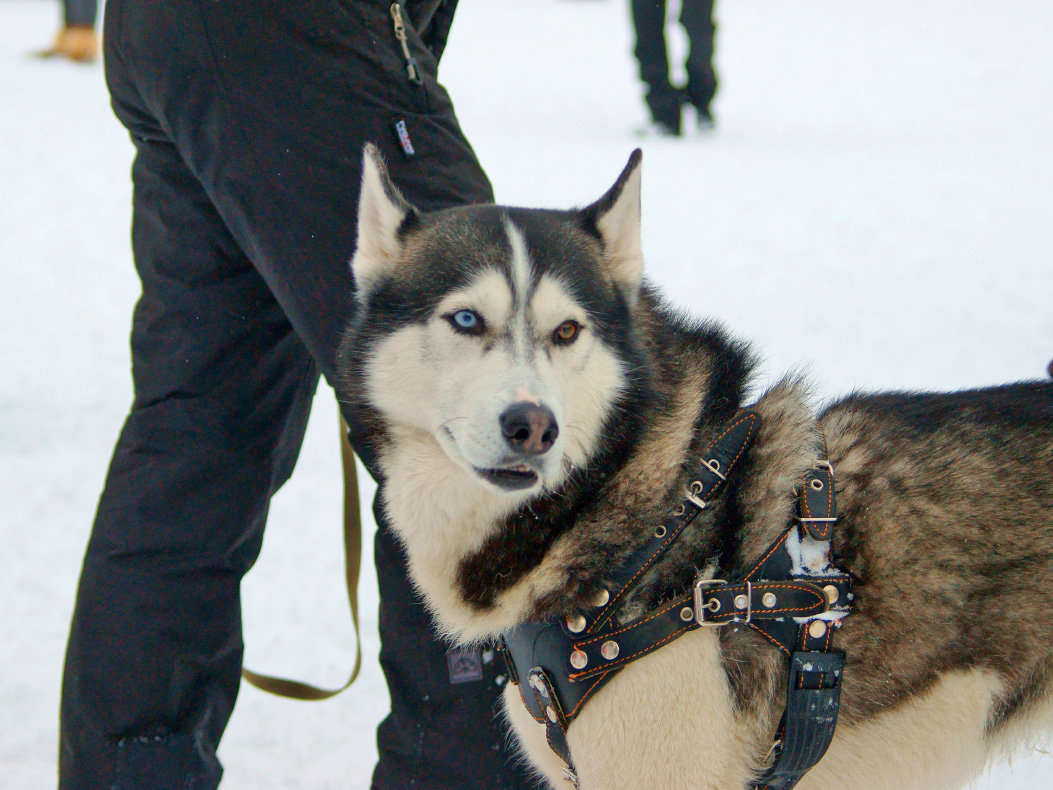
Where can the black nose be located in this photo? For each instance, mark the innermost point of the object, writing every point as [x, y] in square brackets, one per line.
[529, 429]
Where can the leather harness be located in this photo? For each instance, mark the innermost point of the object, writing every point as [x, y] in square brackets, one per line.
[784, 597]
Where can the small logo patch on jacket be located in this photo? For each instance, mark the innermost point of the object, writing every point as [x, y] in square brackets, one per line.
[465, 666]
[402, 133]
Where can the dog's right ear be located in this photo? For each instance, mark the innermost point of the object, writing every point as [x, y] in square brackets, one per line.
[383, 218]
[616, 217]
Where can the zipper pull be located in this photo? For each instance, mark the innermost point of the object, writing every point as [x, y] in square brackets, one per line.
[412, 72]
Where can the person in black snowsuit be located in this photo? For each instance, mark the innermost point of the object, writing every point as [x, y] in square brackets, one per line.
[663, 99]
[249, 120]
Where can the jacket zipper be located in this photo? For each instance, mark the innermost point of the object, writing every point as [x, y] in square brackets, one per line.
[412, 67]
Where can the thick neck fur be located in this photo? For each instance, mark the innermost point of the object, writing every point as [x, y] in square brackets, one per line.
[487, 564]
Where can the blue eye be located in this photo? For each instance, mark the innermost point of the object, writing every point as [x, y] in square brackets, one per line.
[467, 321]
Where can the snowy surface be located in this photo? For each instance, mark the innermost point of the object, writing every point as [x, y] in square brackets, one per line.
[876, 207]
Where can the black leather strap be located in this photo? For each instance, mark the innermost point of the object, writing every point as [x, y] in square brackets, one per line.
[745, 602]
[710, 476]
[545, 649]
[818, 511]
[813, 695]
[784, 597]
[813, 689]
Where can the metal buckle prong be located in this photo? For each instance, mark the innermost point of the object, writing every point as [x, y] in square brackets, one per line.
[701, 586]
[693, 491]
[694, 500]
[749, 603]
[713, 465]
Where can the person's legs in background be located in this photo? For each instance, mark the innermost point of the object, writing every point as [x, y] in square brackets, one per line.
[663, 100]
[696, 16]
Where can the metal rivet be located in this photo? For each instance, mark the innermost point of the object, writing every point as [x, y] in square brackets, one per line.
[817, 629]
[680, 510]
[576, 623]
[687, 614]
[602, 598]
[551, 713]
[660, 532]
[817, 485]
[578, 659]
[768, 600]
[831, 594]
[610, 650]
[535, 682]
[741, 601]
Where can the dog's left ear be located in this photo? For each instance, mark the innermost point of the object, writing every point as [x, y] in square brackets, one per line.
[616, 216]
[384, 217]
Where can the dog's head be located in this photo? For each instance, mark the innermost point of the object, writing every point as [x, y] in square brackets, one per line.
[502, 335]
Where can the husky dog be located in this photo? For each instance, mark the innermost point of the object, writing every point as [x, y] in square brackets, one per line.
[537, 410]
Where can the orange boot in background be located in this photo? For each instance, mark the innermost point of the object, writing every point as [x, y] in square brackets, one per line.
[78, 43]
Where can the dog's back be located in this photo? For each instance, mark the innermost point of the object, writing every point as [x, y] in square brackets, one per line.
[946, 507]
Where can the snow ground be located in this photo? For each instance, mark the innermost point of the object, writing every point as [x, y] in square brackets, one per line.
[891, 157]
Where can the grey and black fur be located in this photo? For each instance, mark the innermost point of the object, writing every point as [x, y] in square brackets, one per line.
[945, 503]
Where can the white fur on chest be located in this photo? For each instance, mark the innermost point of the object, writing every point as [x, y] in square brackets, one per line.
[666, 720]
[442, 516]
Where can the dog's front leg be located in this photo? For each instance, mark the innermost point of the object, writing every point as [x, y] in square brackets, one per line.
[666, 720]
[531, 739]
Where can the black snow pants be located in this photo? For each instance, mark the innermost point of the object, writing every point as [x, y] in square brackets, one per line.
[248, 118]
[696, 17]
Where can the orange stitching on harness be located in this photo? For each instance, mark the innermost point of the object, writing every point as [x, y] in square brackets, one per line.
[770, 639]
[765, 557]
[752, 419]
[745, 443]
[643, 568]
[632, 626]
[586, 695]
[642, 652]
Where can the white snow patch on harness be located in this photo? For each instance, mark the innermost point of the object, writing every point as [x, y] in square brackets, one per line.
[808, 556]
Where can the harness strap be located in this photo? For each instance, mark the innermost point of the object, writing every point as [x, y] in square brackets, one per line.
[717, 463]
[792, 595]
[813, 695]
[540, 651]
[745, 602]
[555, 720]
[813, 689]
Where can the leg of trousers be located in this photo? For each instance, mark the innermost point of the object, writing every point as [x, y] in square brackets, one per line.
[80, 13]
[248, 120]
[696, 17]
[649, 23]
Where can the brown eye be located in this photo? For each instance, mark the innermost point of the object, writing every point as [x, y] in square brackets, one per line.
[565, 333]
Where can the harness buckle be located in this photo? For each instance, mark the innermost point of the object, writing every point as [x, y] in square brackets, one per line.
[702, 586]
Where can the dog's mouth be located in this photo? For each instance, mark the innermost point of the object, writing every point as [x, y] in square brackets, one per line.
[511, 478]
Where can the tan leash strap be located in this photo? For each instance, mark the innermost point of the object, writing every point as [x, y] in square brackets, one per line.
[353, 559]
